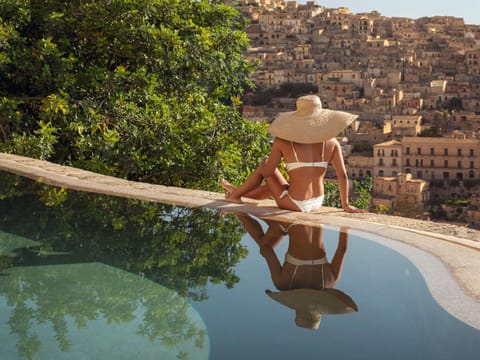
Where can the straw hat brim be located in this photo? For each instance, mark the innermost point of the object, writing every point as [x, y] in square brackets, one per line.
[320, 302]
[317, 126]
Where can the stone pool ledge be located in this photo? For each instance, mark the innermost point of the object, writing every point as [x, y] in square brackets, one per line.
[456, 247]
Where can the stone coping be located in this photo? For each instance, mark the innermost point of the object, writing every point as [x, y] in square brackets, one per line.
[457, 248]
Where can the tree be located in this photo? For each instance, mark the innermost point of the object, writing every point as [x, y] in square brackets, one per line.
[454, 104]
[296, 89]
[362, 193]
[437, 127]
[146, 90]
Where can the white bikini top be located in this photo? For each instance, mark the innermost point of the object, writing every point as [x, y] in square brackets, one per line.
[298, 164]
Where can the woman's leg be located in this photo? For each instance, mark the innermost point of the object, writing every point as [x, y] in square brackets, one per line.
[251, 188]
[260, 193]
[277, 185]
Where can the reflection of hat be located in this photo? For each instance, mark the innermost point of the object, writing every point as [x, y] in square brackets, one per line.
[310, 123]
[311, 304]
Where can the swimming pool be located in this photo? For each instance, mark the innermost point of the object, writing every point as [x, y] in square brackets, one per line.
[95, 277]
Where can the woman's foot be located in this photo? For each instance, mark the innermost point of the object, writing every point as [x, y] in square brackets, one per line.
[229, 188]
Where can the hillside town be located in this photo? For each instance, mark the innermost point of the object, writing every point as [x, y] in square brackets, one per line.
[414, 84]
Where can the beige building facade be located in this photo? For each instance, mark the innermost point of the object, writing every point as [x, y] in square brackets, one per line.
[387, 159]
[441, 158]
[359, 166]
[401, 194]
[406, 125]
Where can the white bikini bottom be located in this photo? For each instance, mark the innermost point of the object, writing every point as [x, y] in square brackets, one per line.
[306, 205]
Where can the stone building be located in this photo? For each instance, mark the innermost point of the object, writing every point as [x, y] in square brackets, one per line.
[401, 194]
[406, 125]
[387, 159]
[444, 158]
[359, 166]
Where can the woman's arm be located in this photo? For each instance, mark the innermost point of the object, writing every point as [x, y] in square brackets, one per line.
[339, 166]
[271, 164]
[339, 257]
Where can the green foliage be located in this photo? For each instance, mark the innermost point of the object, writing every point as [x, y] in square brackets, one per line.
[382, 209]
[296, 89]
[332, 195]
[454, 103]
[147, 90]
[363, 149]
[437, 127]
[361, 197]
[264, 95]
[362, 192]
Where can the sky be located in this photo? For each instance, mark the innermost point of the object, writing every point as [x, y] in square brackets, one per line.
[469, 10]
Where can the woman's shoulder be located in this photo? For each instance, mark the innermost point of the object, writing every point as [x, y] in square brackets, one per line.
[280, 141]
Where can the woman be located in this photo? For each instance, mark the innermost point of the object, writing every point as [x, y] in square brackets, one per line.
[305, 141]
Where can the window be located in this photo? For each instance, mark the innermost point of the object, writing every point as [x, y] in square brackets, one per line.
[459, 164]
[445, 163]
[432, 151]
[459, 152]
[472, 152]
[419, 151]
[408, 162]
[408, 150]
[445, 152]
[432, 163]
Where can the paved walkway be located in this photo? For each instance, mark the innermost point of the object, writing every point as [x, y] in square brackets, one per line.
[457, 248]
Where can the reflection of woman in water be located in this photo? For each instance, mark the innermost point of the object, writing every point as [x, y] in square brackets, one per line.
[306, 278]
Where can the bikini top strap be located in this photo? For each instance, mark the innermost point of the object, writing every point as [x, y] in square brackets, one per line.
[294, 152]
[323, 151]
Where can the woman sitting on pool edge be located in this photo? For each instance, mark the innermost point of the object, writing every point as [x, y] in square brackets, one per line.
[305, 141]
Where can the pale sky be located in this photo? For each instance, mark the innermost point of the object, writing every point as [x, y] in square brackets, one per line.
[469, 10]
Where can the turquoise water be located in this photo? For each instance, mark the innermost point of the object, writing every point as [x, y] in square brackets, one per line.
[93, 277]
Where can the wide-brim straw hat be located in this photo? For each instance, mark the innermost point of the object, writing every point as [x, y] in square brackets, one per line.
[311, 304]
[310, 123]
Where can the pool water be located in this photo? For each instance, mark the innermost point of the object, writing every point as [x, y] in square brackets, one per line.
[93, 277]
